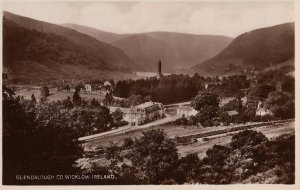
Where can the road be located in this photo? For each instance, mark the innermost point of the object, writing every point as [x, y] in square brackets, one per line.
[127, 128]
[178, 104]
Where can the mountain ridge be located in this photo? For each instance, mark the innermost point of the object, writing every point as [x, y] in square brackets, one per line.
[113, 56]
[256, 49]
[176, 50]
[34, 50]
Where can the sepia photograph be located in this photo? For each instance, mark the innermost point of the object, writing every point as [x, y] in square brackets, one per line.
[148, 93]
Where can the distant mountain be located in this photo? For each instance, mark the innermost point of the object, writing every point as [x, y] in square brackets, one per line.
[258, 49]
[178, 51]
[100, 35]
[58, 48]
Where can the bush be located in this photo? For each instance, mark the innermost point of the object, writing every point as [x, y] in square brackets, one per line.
[120, 123]
[181, 121]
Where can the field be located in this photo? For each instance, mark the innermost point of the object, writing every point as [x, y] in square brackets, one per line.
[54, 95]
[171, 130]
[200, 146]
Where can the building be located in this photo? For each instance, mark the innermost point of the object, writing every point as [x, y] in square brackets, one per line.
[146, 112]
[261, 111]
[88, 88]
[186, 111]
[232, 113]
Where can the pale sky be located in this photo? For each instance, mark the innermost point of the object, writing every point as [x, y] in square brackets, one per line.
[214, 18]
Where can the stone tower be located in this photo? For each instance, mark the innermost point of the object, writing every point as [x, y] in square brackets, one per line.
[159, 75]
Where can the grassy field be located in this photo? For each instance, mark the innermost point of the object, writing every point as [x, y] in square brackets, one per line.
[54, 95]
[171, 130]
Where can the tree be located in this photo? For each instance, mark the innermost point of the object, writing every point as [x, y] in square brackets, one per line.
[67, 103]
[33, 99]
[260, 92]
[76, 98]
[204, 100]
[28, 139]
[136, 100]
[128, 142]
[207, 104]
[249, 113]
[108, 99]
[281, 105]
[247, 138]
[44, 91]
[189, 164]
[154, 155]
[288, 84]
[211, 168]
[117, 115]
[235, 104]
[95, 103]
[113, 153]
[89, 120]
[147, 98]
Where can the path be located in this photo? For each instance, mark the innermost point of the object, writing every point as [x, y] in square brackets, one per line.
[127, 128]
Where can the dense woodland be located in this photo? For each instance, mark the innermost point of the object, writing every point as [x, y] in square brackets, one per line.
[177, 88]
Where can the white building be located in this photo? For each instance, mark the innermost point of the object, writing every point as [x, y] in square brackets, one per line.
[186, 111]
[232, 113]
[261, 111]
[88, 88]
[146, 112]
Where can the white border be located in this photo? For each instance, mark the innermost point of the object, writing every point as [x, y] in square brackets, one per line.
[296, 186]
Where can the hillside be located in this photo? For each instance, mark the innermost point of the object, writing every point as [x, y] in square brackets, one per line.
[178, 51]
[94, 55]
[100, 35]
[258, 49]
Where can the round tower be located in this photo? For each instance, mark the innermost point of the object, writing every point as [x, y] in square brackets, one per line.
[159, 69]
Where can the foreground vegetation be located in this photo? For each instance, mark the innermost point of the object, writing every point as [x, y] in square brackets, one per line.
[154, 159]
[42, 139]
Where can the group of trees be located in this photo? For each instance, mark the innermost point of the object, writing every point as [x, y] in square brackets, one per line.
[36, 140]
[176, 88]
[230, 86]
[133, 100]
[281, 105]
[173, 88]
[153, 159]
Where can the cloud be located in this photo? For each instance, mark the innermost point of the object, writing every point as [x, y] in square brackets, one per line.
[218, 18]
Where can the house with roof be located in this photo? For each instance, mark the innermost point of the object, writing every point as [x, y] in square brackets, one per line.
[232, 113]
[186, 111]
[88, 88]
[261, 111]
[146, 112]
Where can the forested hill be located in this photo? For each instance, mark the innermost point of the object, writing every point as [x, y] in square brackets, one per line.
[59, 49]
[256, 49]
[36, 55]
